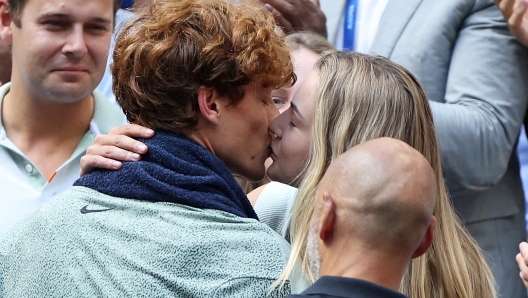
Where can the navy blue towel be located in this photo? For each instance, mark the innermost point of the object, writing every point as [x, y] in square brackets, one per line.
[176, 169]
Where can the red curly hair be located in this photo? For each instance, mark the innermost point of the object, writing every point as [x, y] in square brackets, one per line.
[164, 55]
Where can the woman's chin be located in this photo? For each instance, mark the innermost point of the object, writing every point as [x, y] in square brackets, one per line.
[277, 177]
[273, 173]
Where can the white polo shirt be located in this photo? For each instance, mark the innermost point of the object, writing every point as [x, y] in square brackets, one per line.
[23, 189]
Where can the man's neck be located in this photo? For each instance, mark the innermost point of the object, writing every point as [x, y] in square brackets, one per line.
[382, 269]
[47, 132]
[201, 136]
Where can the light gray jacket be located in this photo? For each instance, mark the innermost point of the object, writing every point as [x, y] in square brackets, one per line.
[87, 244]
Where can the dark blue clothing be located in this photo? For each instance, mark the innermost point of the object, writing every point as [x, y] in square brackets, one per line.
[178, 170]
[127, 4]
[334, 286]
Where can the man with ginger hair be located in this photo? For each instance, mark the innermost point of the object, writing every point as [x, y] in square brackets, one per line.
[373, 214]
[176, 223]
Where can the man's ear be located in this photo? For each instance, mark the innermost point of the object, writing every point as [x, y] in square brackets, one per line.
[427, 239]
[5, 22]
[208, 101]
[327, 218]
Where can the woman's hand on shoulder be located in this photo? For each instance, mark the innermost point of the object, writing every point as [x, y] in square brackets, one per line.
[108, 150]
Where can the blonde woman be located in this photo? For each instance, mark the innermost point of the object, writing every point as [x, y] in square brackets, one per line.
[348, 99]
[385, 100]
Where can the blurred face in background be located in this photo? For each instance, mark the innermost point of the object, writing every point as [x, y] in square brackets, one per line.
[303, 61]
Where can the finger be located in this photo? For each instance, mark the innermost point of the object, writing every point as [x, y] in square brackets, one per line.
[273, 11]
[522, 7]
[92, 162]
[523, 280]
[523, 274]
[506, 7]
[520, 261]
[523, 249]
[515, 21]
[112, 152]
[289, 10]
[281, 5]
[119, 141]
[299, 15]
[284, 24]
[280, 19]
[132, 130]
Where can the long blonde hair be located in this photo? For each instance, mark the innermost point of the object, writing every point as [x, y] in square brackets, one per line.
[359, 98]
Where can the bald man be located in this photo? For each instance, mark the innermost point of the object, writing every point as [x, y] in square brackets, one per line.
[373, 214]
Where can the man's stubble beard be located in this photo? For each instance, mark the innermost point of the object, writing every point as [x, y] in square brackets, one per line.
[312, 246]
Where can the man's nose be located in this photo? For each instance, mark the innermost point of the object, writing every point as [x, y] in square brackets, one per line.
[75, 44]
[273, 112]
[275, 127]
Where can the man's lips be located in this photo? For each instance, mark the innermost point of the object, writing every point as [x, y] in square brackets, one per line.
[72, 69]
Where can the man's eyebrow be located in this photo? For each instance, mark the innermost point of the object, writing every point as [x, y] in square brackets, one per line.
[53, 15]
[296, 110]
[67, 16]
[101, 20]
[281, 90]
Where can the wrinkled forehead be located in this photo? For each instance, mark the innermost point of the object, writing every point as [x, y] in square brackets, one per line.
[73, 10]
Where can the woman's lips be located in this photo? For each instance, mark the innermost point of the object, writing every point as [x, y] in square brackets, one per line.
[272, 154]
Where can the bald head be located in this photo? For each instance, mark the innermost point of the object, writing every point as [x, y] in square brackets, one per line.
[384, 193]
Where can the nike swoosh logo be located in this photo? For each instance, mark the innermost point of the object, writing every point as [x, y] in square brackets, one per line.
[85, 210]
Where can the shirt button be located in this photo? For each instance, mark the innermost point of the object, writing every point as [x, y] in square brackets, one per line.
[29, 168]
